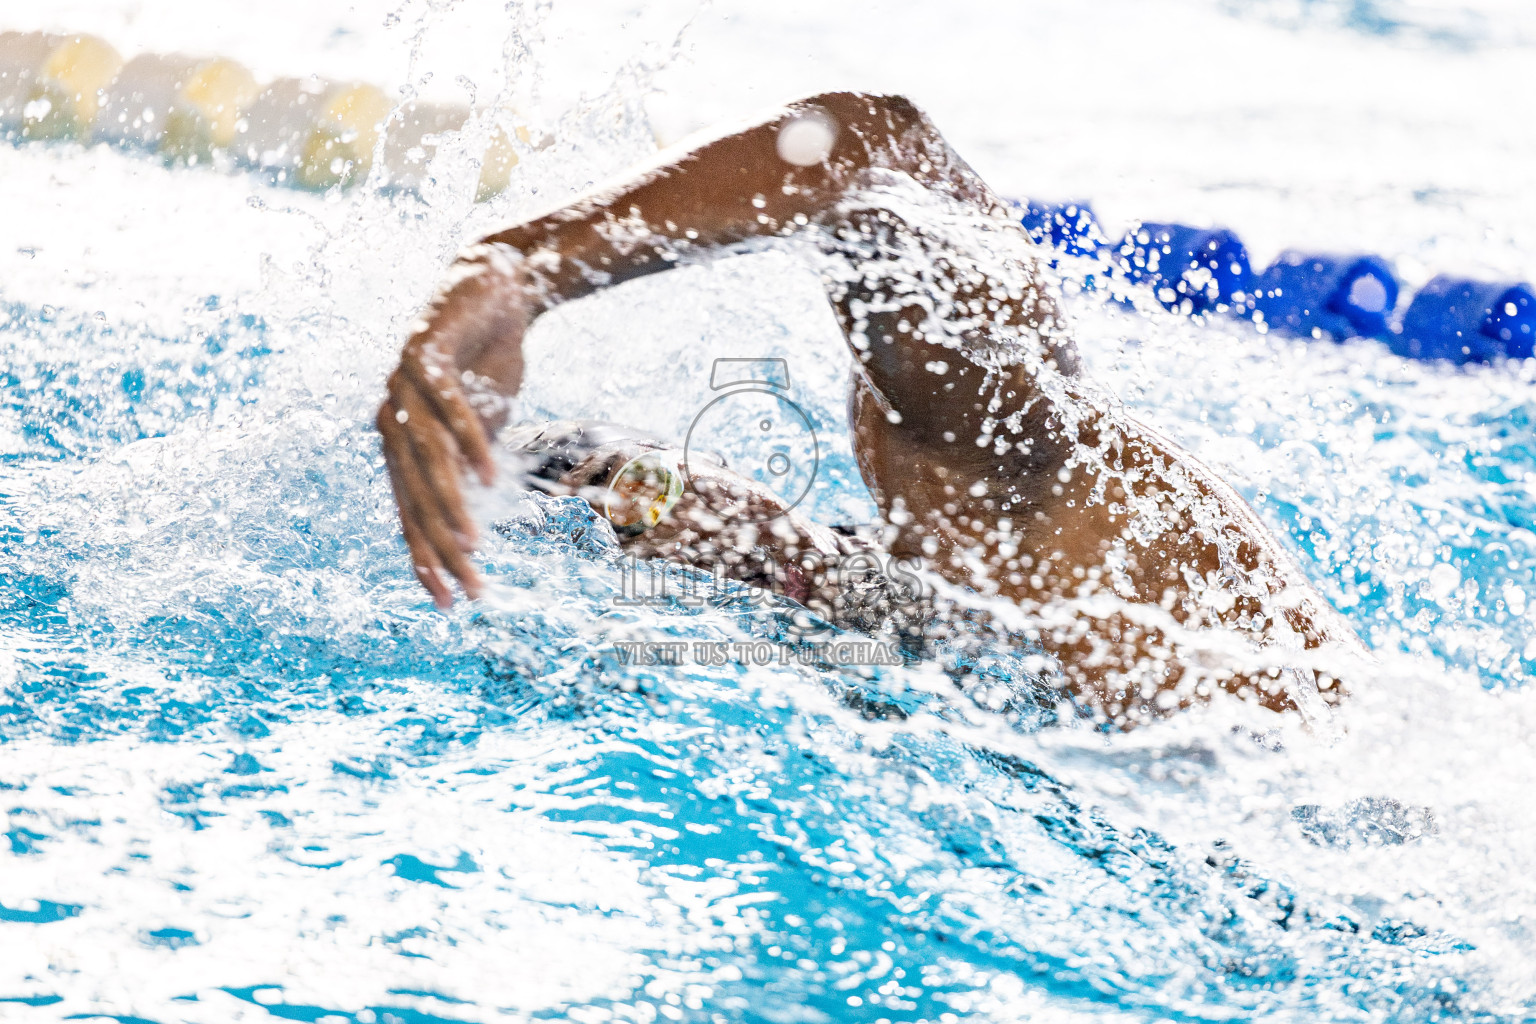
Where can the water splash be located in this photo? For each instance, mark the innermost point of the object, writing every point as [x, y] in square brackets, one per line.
[248, 770]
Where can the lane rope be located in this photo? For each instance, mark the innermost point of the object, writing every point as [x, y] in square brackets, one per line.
[1206, 271]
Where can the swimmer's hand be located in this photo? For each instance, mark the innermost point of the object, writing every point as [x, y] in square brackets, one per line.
[446, 400]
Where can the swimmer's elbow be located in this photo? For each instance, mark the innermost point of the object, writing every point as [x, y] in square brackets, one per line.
[866, 103]
[888, 129]
[871, 114]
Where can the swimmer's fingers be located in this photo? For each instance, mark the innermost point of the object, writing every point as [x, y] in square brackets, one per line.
[432, 545]
[425, 561]
[435, 377]
[437, 458]
[428, 517]
[429, 568]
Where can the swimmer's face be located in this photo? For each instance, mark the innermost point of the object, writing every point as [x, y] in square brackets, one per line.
[658, 511]
[649, 494]
[712, 517]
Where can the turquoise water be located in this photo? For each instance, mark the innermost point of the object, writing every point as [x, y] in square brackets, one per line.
[248, 773]
[245, 761]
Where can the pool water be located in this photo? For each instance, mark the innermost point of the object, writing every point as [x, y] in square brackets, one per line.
[248, 773]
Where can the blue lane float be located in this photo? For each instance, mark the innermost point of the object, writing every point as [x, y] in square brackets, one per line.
[1467, 321]
[1311, 295]
[1191, 270]
[1070, 227]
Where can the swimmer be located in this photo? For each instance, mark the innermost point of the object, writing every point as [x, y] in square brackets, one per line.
[993, 461]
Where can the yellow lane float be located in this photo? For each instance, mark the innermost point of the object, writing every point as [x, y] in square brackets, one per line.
[186, 107]
[306, 132]
[51, 86]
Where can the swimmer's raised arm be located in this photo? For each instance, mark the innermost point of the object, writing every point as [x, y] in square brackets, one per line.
[767, 179]
[770, 178]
